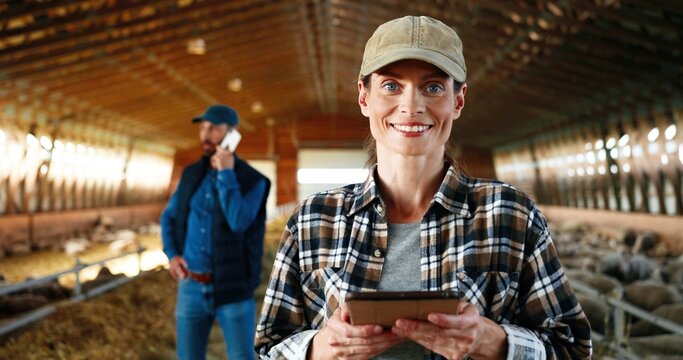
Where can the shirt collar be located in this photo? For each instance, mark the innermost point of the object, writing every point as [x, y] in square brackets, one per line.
[452, 193]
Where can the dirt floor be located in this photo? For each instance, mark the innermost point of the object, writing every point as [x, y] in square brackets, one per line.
[134, 321]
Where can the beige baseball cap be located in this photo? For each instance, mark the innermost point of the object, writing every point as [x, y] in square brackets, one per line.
[415, 37]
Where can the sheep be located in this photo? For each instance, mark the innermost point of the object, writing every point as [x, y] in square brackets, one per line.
[76, 246]
[103, 276]
[597, 311]
[19, 303]
[650, 294]
[604, 284]
[657, 345]
[673, 312]
[126, 240]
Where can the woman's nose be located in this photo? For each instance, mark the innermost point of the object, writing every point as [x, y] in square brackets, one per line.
[412, 102]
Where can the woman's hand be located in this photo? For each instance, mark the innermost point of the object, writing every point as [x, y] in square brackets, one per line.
[341, 340]
[456, 336]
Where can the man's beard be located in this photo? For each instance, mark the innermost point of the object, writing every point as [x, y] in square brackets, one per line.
[212, 149]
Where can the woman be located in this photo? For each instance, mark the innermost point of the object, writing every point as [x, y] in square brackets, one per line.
[417, 223]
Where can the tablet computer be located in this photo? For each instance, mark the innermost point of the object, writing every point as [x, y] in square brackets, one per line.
[385, 307]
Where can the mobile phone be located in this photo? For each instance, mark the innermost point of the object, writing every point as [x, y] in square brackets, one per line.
[231, 139]
[385, 307]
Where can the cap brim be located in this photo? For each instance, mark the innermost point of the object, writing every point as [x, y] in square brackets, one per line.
[434, 58]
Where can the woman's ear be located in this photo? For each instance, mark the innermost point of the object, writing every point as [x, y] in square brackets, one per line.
[362, 98]
[459, 101]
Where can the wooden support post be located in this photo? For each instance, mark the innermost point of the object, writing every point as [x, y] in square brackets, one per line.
[287, 148]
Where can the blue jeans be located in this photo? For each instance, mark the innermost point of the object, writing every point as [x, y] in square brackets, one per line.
[195, 314]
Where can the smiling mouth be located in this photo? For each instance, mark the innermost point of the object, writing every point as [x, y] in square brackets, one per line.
[411, 129]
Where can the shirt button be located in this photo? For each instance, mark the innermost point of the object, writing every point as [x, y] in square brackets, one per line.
[377, 253]
[380, 208]
[202, 230]
[208, 196]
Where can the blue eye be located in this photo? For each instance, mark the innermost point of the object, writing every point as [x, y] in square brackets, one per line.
[434, 88]
[390, 86]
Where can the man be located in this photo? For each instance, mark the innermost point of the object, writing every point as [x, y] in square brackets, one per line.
[419, 224]
[212, 230]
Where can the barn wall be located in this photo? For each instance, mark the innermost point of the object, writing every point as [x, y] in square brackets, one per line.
[26, 232]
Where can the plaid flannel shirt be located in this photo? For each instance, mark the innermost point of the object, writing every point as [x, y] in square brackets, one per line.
[483, 239]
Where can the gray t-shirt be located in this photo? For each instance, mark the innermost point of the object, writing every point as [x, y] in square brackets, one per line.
[401, 272]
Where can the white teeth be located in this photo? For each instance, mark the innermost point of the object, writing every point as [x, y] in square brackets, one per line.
[414, 128]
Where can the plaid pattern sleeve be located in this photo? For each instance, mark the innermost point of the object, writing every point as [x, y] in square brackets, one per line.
[282, 331]
[483, 239]
[549, 307]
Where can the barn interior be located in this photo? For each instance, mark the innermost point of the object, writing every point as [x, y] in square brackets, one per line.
[578, 103]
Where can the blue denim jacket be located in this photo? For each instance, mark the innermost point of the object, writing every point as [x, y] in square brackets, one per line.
[239, 210]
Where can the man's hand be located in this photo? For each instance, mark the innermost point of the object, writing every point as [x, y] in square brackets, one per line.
[341, 340]
[222, 159]
[456, 336]
[178, 268]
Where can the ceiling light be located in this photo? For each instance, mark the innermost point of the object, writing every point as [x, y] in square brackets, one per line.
[256, 107]
[515, 17]
[554, 9]
[235, 84]
[196, 47]
[543, 23]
